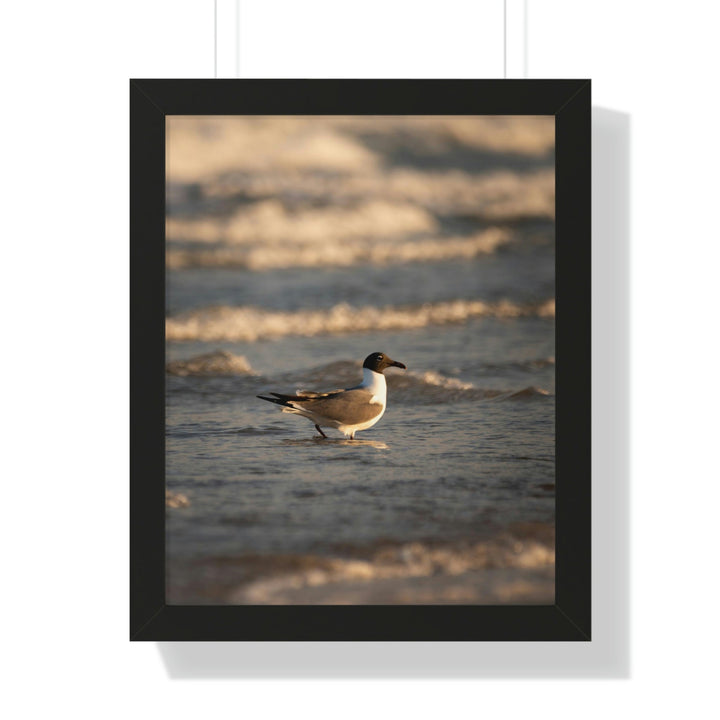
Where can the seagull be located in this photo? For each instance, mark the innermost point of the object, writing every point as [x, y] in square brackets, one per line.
[351, 410]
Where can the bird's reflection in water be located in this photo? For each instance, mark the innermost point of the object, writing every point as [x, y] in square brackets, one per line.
[335, 442]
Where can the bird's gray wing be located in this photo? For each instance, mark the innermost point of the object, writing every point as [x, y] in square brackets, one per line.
[350, 407]
[305, 394]
[314, 395]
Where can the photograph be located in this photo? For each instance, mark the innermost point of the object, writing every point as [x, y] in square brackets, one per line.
[360, 360]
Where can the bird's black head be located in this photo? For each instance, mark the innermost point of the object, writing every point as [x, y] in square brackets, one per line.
[379, 361]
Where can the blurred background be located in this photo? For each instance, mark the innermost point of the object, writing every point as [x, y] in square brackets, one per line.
[296, 246]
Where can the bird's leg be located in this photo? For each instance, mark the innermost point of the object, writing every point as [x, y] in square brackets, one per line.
[317, 427]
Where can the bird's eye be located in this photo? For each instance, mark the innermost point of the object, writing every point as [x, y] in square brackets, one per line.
[380, 357]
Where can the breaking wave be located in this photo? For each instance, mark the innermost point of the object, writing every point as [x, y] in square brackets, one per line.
[201, 147]
[219, 362]
[431, 378]
[500, 195]
[311, 254]
[388, 570]
[432, 387]
[427, 387]
[270, 221]
[250, 324]
[528, 393]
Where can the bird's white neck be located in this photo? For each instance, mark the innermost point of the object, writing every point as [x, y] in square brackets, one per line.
[375, 382]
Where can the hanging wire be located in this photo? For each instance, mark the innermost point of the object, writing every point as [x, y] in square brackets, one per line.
[525, 38]
[505, 39]
[524, 48]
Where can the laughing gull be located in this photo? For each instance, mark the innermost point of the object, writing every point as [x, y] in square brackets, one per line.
[357, 408]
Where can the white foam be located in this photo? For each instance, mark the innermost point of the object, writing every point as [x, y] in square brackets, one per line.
[412, 560]
[219, 362]
[379, 251]
[199, 147]
[270, 221]
[250, 324]
[498, 195]
[436, 379]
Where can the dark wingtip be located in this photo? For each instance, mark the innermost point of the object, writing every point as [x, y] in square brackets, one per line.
[277, 401]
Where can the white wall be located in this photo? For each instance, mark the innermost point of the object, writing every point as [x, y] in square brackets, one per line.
[64, 292]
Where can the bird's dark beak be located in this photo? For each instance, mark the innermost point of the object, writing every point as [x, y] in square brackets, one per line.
[398, 364]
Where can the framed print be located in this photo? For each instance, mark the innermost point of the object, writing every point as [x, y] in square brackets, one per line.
[360, 360]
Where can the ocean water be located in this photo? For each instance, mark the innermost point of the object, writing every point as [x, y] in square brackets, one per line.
[295, 248]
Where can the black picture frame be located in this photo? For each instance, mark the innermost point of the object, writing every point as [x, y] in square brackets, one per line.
[569, 618]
